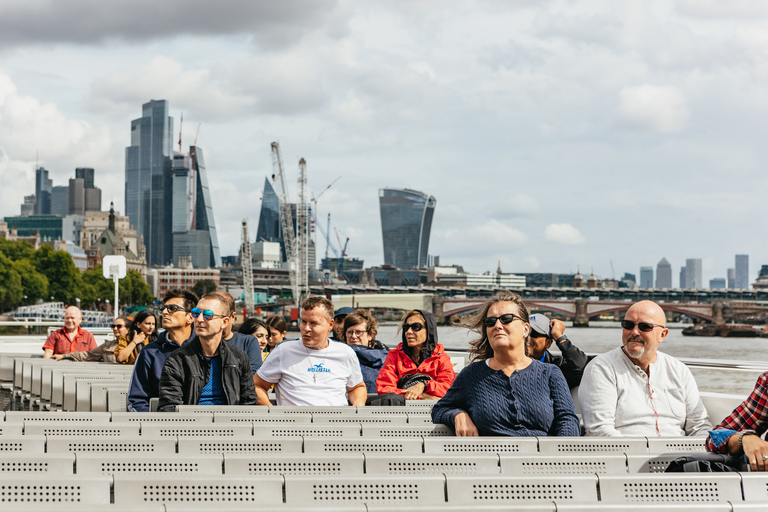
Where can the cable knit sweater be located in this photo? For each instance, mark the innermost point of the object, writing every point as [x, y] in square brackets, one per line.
[534, 401]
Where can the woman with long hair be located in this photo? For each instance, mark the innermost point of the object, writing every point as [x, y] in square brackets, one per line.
[504, 392]
[141, 332]
[259, 330]
[278, 328]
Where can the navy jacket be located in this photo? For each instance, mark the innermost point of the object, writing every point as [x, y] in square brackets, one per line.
[250, 345]
[145, 381]
[371, 361]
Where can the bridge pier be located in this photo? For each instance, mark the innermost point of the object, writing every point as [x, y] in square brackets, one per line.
[438, 309]
[581, 318]
[717, 312]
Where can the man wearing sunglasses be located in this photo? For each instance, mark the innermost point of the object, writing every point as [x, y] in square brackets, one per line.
[207, 370]
[634, 390]
[177, 321]
[312, 370]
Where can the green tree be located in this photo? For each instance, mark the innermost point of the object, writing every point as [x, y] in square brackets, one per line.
[11, 291]
[16, 250]
[202, 287]
[34, 284]
[102, 287]
[134, 290]
[61, 272]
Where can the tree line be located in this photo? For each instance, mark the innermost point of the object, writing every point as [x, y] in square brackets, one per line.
[28, 276]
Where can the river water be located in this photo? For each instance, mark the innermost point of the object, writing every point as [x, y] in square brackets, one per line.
[604, 336]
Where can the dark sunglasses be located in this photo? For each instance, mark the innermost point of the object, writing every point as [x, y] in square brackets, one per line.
[642, 326]
[415, 326]
[172, 308]
[207, 314]
[505, 319]
[117, 325]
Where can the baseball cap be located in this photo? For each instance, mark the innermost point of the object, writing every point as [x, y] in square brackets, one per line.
[540, 324]
[346, 310]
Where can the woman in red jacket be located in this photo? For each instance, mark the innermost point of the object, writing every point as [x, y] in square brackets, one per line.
[419, 366]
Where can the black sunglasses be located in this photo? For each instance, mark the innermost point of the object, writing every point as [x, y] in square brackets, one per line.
[642, 326]
[117, 325]
[505, 319]
[415, 326]
[172, 308]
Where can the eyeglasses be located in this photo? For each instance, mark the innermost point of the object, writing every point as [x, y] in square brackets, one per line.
[359, 334]
[207, 314]
[415, 326]
[642, 326]
[505, 319]
[172, 308]
[117, 326]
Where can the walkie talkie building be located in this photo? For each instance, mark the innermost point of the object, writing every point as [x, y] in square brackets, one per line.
[406, 221]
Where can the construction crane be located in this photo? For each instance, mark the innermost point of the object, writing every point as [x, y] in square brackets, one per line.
[302, 234]
[246, 259]
[343, 253]
[286, 221]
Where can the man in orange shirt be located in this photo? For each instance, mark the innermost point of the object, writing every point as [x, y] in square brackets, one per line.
[70, 338]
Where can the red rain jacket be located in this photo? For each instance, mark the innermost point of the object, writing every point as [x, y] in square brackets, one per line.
[397, 364]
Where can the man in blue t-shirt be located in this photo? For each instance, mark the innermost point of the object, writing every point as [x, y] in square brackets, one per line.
[207, 371]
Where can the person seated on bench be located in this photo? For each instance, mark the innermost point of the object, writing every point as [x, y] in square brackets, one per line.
[141, 333]
[418, 368]
[312, 370]
[543, 332]
[104, 352]
[177, 321]
[503, 392]
[742, 431]
[71, 337]
[359, 333]
[634, 390]
[207, 370]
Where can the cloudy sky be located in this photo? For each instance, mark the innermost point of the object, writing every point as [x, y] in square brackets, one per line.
[555, 135]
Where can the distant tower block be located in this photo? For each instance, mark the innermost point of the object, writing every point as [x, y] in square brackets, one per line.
[406, 222]
[663, 274]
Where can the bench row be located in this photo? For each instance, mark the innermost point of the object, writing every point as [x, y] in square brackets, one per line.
[405, 490]
[200, 445]
[62, 460]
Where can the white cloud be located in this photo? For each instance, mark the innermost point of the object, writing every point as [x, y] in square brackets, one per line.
[717, 9]
[563, 234]
[653, 108]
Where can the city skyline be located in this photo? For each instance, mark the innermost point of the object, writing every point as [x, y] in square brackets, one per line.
[540, 159]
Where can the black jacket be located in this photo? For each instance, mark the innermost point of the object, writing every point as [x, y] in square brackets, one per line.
[185, 374]
[571, 363]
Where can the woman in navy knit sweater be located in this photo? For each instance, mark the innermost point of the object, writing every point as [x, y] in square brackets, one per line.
[504, 392]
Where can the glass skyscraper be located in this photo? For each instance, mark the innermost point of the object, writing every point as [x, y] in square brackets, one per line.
[147, 176]
[406, 221]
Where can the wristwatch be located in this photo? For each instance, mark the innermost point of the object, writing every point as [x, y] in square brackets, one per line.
[741, 437]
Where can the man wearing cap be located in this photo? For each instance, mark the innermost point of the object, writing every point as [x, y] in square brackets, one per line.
[543, 332]
[338, 322]
[635, 390]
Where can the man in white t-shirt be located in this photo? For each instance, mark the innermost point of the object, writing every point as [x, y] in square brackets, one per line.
[313, 370]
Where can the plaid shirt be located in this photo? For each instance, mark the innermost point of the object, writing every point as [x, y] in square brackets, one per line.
[752, 414]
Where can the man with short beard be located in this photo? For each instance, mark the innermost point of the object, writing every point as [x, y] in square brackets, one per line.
[635, 390]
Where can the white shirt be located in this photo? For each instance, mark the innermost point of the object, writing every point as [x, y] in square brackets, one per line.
[618, 399]
[304, 376]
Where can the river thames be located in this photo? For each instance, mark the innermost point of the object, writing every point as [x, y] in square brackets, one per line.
[604, 336]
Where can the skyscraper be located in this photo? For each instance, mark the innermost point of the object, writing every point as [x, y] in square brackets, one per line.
[683, 284]
[646, 277]
[43, 186]
[731, 276]
[663, 274]
[742, 271]
[76, 196]
[148, 177]
[693, 273]
[192, 223]
[406, 222]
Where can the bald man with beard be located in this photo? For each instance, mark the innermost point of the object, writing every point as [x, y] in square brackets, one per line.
[635, 390]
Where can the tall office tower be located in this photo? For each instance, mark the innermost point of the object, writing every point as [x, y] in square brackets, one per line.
[406, 221]
[76, 196]
[731, 278]
[742, 271]
[192, 224]
[646, 277]
[693, 274]
[663, 274]
[43, 186]
[148, 177]
[87, 174]
[269, 218]
[28, 208]
[683, 284]
[59, 200]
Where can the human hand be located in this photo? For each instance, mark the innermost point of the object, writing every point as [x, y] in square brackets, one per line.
[756, 452]
[414, 392]
[464, 426]
[139, 338]
[557, 328]
[58, 357]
